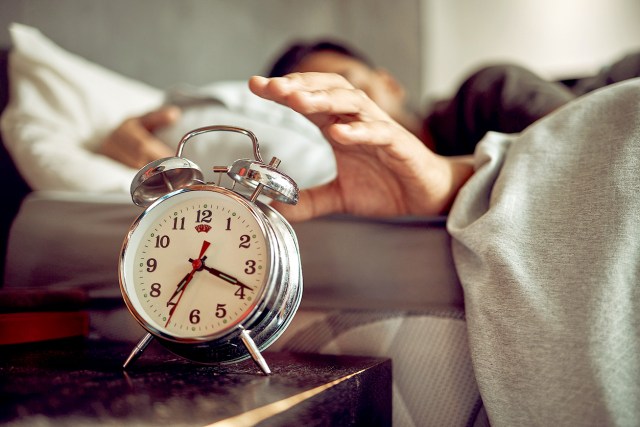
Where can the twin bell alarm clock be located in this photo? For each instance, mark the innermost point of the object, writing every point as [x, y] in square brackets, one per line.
[212, 273]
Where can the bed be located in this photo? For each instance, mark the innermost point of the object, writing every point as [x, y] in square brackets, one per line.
[371, 287]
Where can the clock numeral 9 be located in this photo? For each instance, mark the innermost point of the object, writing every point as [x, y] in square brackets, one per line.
[162, 241]
[152, 264]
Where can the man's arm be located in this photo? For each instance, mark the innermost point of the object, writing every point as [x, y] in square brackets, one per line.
[382, 169]
[133, 143]
[499, 98]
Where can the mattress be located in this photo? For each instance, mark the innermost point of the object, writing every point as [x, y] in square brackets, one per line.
[69, 240]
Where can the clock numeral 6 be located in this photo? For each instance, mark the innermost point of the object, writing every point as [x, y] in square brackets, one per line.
[194, 316]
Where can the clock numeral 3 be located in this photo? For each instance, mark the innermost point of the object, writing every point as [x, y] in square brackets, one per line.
[251, 267]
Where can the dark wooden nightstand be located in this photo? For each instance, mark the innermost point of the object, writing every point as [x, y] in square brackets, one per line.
[76, 381]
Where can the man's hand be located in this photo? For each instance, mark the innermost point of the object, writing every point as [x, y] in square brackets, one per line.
[382, 169]
[133, 142]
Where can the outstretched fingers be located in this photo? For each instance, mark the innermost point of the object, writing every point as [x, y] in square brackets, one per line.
[383, 169]
[282, 86]
[313, 94]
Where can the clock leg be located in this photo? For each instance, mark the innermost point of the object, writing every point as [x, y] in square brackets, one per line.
[254, 351]
[138, 350]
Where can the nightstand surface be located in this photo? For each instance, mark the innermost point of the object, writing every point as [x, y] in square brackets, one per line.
[77, 382]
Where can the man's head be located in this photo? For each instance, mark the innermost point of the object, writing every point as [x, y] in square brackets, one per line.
[331, 57]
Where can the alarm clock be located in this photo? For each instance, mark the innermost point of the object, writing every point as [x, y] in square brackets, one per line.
[212, 273]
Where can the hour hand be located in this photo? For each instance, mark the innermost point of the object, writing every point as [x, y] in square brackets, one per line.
[226, 277]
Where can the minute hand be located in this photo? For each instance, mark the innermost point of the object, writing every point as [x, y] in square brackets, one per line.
[226, 277]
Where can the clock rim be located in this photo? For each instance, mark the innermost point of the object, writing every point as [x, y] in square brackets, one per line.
[251, 314]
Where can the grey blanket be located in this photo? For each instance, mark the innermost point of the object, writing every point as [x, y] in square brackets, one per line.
[547, 247]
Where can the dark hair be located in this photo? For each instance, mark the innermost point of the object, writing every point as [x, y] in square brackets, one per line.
[294, 54]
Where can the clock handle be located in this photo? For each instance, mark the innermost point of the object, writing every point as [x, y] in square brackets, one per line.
[138, 350]
[205, 129]
[255, 174]
[254, 351]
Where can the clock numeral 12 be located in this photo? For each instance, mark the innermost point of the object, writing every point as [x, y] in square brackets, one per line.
[203, 216]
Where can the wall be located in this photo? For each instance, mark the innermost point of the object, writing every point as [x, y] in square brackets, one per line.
[556, 38]
[429, 44]
[198, 41]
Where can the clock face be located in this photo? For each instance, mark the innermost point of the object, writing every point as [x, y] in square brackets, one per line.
[195, 264]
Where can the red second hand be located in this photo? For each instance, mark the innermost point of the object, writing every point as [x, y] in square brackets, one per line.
[196, 264]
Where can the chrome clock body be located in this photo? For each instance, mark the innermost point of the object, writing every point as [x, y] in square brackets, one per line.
[212, 274]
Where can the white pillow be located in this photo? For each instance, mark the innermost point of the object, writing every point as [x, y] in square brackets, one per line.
[61, 107]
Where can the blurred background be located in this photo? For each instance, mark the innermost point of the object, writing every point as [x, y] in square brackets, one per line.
[430, 45]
